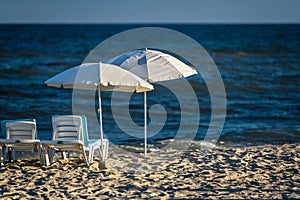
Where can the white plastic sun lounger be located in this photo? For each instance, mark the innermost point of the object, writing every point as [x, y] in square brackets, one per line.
[70, 133]
[21, 136]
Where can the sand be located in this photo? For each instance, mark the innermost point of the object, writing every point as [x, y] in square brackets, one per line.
[266, 172]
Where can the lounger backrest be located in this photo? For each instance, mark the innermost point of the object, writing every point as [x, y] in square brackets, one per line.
[67, 127]
[3, 125]
[18, 130]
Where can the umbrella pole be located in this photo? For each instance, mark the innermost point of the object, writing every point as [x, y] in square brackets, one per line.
[145, 121]
[100, 122]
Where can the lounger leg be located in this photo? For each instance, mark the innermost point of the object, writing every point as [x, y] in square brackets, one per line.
[1, 156]
[38, 147]
[46, 155]
[10, 154]
[13, 153]
[4, 150]
[51, 153]
[91, 154]
[84, 156]
[63, 155]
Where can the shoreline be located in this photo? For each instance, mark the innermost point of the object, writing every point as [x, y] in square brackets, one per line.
[267, 171]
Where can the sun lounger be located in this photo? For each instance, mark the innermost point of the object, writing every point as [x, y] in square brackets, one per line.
[70, 134]
[21, 136]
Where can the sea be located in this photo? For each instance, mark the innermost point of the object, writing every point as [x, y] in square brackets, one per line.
[259, 65]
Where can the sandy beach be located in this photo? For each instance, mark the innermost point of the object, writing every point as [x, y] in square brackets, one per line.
[268, 172]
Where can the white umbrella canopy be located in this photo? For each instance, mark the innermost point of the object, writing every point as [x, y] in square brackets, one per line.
[107, 77]
[152, 66]
[99, 76]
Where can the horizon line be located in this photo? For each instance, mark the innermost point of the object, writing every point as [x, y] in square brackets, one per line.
[150, 23]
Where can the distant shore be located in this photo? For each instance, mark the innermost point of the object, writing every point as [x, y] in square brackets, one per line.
[269, 171]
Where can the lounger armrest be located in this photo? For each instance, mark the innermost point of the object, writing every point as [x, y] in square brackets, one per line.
[62, 142]
[95, 142]
[22, 141]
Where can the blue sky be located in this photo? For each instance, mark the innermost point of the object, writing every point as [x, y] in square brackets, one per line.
[154, 11]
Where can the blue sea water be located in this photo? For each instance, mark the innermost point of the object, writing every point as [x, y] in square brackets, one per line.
[259, 64]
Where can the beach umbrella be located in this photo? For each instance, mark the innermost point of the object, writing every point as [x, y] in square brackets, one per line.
[100, 77]
[152, 66]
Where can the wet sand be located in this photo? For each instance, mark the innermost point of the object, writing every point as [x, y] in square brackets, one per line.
[228, 172]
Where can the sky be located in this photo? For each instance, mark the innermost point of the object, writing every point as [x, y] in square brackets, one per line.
[154, 11]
